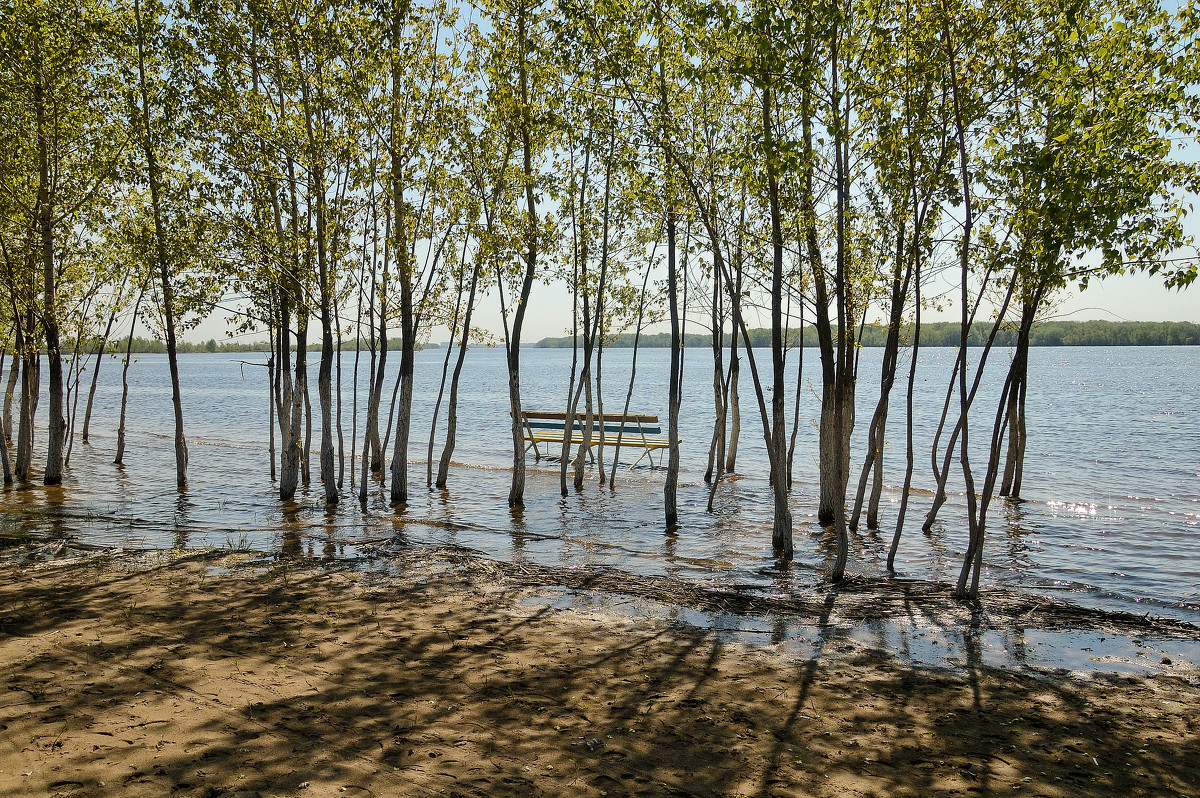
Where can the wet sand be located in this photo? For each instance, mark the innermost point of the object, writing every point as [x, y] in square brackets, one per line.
[208, 674]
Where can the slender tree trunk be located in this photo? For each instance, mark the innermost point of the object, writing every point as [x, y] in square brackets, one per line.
[781, 530]
[733, 401]
[877, 432]
[671, 487]
[909, 446]
[516, 493]
[379, 355]
[325, 370]
[4, 460]
[1019, 375]
[732, 398]
[57, 433]
[163, 261]
[573, 389]
[844, 377]
[306, 453]
[637, 339]
[10, 390]
[408, 331]
[112, 316]
[73, 377]
[120, 456]
[791, 455]
[271, 411]
[437, 405]
[452, 407]
[719, 420]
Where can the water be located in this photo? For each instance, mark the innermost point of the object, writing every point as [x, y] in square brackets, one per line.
[1111, 515]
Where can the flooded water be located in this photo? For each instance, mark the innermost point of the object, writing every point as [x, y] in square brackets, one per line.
[1111, 514]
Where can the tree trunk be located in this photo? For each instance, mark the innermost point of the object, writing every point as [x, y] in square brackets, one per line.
[408, 331]
[637, 339]
[781, 529]
[9, 392]
[671, 486]
[120, 455]
[325, 370]
[160, 253]
[306, 451]
[375, 397]
[909, 448]
[112, 317]
[31, 366]
[516, 493]
[877, 432]
[716, 447]
[57, 422]
[799, 391]
[1019, 371]
[4, 460]
[437, 405]
[452, 407]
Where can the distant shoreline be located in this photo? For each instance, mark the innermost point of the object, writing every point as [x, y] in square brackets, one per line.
[947, 333]
[935, 334]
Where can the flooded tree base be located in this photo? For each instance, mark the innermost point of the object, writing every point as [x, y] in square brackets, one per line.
[441, 672]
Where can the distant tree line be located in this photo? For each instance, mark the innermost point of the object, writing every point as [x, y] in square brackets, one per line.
[153, 346]
[1051, 333]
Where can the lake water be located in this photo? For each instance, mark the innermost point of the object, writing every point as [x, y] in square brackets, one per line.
[1112, 486]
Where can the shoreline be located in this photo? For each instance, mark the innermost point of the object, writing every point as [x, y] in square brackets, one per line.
[213, 673]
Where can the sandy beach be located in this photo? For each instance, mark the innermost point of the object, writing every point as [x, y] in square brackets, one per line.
[217, 673]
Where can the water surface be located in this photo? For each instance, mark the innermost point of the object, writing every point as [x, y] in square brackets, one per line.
[1110, 514]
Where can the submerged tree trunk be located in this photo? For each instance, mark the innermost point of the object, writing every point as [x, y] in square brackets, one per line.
[791, 455]
[452, 408]
[716, 447]
[516, 493]
[781, 529]
[57, 422]
[306, 451]
[4, 460]
[162, 260]
[637, 340]
[112, 317]
[408, 330]
[120, 456]
[325, 369]
[671, 486]
[10, 389]
[437, 405]
[31, 366]
[731, 383]
[877, 432]
[1014, 465]
[909, 447]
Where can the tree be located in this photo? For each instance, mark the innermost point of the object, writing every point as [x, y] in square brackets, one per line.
[57, 90]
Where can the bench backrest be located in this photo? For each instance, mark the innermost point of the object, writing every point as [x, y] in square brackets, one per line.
[632, 424]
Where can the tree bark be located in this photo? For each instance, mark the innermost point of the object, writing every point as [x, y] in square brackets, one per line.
[452, 408]
[45, 219]
[160, 253]
[516, 493]
[119, 459]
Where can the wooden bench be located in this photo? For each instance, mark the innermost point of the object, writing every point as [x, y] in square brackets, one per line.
[636, 430]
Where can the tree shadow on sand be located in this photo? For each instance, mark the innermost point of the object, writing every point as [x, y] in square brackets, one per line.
[205, 677]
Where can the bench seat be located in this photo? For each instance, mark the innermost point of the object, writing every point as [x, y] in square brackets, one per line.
[634, 431]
